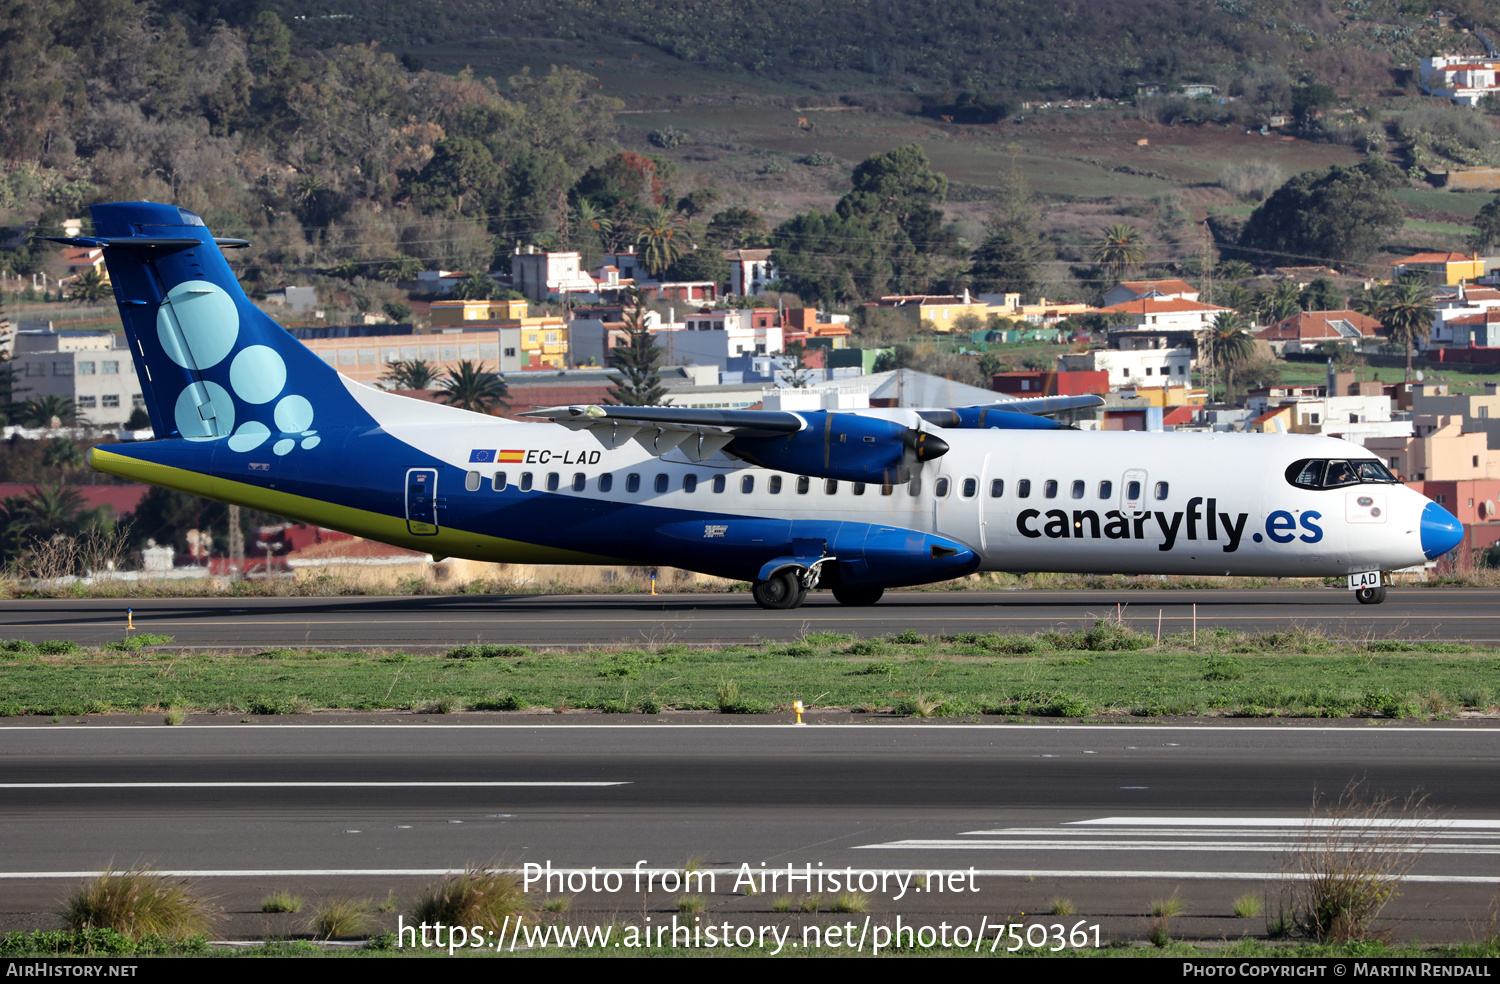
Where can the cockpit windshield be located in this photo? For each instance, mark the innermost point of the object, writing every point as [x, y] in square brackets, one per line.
[1319, 473]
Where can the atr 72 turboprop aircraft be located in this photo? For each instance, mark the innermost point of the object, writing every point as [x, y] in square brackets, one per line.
[857, 501]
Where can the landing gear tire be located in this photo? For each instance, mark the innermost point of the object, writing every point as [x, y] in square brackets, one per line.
[1370, 596]
[780, 592]
[857, 596]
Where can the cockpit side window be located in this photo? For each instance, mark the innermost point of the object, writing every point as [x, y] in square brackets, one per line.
[1317, 473]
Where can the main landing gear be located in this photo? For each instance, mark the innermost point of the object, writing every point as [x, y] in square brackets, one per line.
[1370, 596]
[787, 589]
[780, 592]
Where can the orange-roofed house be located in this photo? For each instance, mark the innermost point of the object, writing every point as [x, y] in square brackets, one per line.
[1135, 290]
[1173, 314]
[1306, 331]
[1440, 268]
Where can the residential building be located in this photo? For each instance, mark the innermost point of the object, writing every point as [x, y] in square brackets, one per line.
[1306, 331]
[1481, 330]
[1480, 411]
[93, 369]
[1133, 367]
[79, 261]
[750, 270]
[1173, 313]
[526, 342]
[1461, 78]
[714, 336]
[939, 312]
[541, 275]
[1439, 450]
[1440, 268]
[1137, 290]
[1074, 383]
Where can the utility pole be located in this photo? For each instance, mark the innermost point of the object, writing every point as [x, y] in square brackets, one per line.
[236, 543]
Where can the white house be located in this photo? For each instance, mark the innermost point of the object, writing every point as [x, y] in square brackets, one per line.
[750, 270]
[1134, 367]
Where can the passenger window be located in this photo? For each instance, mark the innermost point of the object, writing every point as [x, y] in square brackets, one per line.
[1049, 489]
[888, 490]
[775, 484]
[1161, 491]
[632, 482]
[971, 487]
[915, 487]
[690, 483]
[498, 482]
[859, 488]
[1106, 489]
[526, 481]
[940, 489]
[747, 484]
[1078, 488]
[803, 484]
[1133, 491]
[718, 483]
[552, 481]
[1023, 489]
[606, 482]
[997, 488]
[579, 481]
[831, 486]
[471, 481]
[662, 482]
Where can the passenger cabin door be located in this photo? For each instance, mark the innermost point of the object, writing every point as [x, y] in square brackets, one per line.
[421, 501]
[1133, 492]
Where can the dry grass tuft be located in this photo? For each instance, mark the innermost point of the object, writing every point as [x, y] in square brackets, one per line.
[1350, 862]
[478, 897]
[137, 903]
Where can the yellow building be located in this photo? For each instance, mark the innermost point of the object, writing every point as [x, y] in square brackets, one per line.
[1440, 268]
[1171, 396]
[457, 314]
[542, 341]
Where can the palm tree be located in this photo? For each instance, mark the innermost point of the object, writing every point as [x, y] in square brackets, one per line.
[1407, 313]
[401, 267]
[41, 411]
[1230, 345]
[90, 286]
[1233, 270]
[1119, 249]
[413, 375]
[1236, 296]
[660, 238]
[473, 387]
[477, 286]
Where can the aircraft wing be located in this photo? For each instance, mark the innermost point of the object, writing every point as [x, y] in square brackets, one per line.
[698, 433]
[1029, 413]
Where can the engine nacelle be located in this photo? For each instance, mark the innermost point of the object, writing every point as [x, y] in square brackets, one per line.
[989, 418]
[845, 446]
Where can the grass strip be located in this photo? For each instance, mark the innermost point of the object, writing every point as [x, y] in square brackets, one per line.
[1104, 670]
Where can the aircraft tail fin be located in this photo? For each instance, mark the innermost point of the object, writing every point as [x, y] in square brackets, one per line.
[211, 364]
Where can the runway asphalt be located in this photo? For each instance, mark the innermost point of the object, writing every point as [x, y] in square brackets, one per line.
[582, 620]
[1109, 817]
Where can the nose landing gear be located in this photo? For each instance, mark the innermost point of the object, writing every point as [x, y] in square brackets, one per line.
[1370, 596]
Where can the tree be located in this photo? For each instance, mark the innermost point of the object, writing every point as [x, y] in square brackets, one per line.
[477, 286]
[1118, 249]
[638, 381]
[737, 228]
[1406, 311]
[660, 238]
[1334, 216]
[41, 411]
[1006, 262]
[1487, 225]
[413, 375]
[400, 267]
[1322, 295]
[1229, 345]
[472, 387]
[90, 286]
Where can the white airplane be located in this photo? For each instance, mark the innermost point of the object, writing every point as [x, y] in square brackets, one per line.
[855, 501]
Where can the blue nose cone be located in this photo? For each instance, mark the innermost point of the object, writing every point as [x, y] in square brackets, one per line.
[1441, 531]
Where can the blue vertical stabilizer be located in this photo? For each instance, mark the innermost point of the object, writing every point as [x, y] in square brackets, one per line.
[212, 366]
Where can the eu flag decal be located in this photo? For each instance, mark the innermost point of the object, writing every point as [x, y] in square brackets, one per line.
[486, 456]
